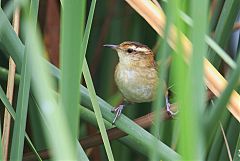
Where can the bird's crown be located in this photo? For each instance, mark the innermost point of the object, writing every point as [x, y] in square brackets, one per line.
[132, 47]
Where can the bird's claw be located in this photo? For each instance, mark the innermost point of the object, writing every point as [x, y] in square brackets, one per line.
[118, 111]
[169, 111]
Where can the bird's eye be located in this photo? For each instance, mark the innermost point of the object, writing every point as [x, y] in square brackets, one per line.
[129, 50]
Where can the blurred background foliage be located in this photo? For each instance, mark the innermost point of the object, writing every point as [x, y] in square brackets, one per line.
[114, 22]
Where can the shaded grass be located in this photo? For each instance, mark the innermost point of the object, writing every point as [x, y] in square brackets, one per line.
[1, 154]
[97, 111]
[224, 28]
[71, 60]
[139, 139]
[23, 94]
[220, 105]
[162, 89]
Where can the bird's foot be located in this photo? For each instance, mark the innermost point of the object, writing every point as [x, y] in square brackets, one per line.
[118, 111]
[168, 109]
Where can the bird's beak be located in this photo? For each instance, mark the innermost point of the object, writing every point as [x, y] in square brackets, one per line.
[111, 46]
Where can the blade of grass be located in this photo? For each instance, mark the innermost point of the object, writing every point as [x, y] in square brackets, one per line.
[226, 143]
[6, 102]
[1, 152]
[231, 132]
[23, 95]
[10, 89]
[215, 16]
[21, 111]
[161, 91]
[53, 115]
[71, 60]
[217, 142]
[196, 102]
[82, 16]
[4, 21]
[6, 28]
[88, 28]
[36, 124]
[97, 110]
[178, 63]
[11, 6]
[4, 75]
[223, 100]
[10, 109]
[90, 86]
[80, 151]
[220, 52]
[224, 27]
[237, 150]
[190, 138]
[8, 105]
[211, 43]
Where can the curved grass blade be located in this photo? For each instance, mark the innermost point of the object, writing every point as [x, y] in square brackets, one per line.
[4, 75]
[6, 29]
[224, 27]
[1, 154]
[211, 43]
[220, 52]
[97, 110]
[71, 60]
[196, 100]
[237, 150]
[53, 115]
[23, 94]
[226, 143]
[221, 102]
[162, 73]
[90, 86]
[10, 109]
[21, 111]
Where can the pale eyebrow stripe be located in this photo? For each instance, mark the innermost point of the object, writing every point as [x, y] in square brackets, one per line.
[137, 48]
[141, 49]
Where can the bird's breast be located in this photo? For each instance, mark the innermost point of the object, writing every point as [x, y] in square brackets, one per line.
[137, 84]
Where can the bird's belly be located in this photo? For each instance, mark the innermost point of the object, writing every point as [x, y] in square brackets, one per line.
[137, 86]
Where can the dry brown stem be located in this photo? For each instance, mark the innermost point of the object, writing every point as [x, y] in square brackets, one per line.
[10, 89]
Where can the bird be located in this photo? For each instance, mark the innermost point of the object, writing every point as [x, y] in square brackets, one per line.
[136, 75]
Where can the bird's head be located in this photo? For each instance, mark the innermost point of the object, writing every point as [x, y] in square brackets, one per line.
[133, 53]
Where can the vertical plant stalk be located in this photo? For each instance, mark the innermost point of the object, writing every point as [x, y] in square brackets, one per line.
[10, 89]
[213, 79]
[162, 73]
[71, 60]
[97, 110]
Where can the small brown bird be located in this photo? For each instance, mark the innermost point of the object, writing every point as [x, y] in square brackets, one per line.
[136, 74]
